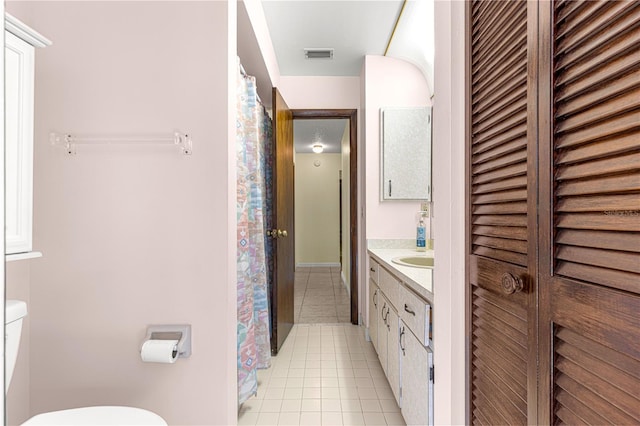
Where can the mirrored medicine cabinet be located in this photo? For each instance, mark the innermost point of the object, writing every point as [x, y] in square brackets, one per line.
[405, 153]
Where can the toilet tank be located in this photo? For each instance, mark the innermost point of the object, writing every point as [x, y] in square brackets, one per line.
[15, 311]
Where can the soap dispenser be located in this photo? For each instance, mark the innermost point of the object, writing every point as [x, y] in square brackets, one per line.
[421, 234]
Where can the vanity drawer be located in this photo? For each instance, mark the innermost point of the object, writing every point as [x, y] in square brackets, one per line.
[373, 270]
[389, 285]
[415, 313]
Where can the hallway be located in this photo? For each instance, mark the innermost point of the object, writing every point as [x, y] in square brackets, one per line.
[324, 375]
[320, 296]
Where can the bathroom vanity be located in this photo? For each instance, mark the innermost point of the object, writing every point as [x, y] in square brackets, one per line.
[400, 301]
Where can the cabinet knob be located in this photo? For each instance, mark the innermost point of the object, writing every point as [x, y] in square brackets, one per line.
[400, 339]
[511, 283]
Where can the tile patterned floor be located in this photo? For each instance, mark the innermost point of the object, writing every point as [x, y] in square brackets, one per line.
[320, 296]
[325, 374]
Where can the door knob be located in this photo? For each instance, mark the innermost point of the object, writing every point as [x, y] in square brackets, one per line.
[511, 283]
[282, 233]
[273, 233]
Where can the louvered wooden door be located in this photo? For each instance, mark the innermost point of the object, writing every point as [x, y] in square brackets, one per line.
[502, 202]
[554, 198]
[590, 274]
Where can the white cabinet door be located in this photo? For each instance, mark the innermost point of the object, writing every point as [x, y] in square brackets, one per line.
[382, 331]
[393, 353]
[417, 388]
[374, 297]
[19, 83]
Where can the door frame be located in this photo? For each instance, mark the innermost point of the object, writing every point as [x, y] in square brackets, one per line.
[352, 116]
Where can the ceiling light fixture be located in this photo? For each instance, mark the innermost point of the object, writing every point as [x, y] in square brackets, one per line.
[317, 148]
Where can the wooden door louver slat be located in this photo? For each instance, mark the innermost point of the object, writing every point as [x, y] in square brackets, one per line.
[571, 100]
[590, 385]
[600, 149]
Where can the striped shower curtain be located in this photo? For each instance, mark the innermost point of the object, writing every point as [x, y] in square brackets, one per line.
[253, 148]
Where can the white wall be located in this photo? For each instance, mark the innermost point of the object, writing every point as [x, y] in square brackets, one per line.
[449, 214]
[2, 266]
[134, 236]
[317, 208]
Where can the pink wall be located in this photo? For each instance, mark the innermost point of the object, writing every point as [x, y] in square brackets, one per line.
[449, 213]
[133, 236]
[320, 92]
[388, 82]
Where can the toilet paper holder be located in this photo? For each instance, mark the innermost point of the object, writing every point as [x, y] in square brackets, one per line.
[179, 332]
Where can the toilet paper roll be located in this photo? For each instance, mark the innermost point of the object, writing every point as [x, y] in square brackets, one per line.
[164, 351]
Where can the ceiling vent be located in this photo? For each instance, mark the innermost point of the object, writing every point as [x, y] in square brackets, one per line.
[318, 53]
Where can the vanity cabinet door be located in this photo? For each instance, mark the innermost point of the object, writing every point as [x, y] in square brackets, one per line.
[417, 386]
[374, 301]
[19, 83]
[382, 331]
[393, 353]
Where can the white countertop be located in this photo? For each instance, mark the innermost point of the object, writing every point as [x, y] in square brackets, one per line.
[419, 280]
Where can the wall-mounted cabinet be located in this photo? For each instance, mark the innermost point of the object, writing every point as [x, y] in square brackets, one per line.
[20, 43]
[406, 153]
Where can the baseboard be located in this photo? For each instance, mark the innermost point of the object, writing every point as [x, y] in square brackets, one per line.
[318, 265]
[344, 283]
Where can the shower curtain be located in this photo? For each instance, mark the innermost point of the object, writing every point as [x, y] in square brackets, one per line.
[253, 148]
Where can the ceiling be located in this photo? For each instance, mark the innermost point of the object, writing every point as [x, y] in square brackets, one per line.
[353, 28]
[326, 132]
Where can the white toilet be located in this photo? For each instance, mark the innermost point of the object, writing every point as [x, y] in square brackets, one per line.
[16, 310]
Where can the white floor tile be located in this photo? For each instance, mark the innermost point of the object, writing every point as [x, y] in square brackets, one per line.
[268, 419]
[311, 405]
[352, 419]
[296, 372]
[364, 382]
[347, 382]
[330, 382]
[289, 419]
[367, 393]
[291, 405]
[349, 393]
[278, 382]
[274, 393]
[389, 406]
[331, 405]
[248, 419]
[271, 406]
[330, 393]
[331, 419]
[374, 419]
[351, 405]
[311, 393]
[313, 372]
[310, 419]
[295, 382]
[394, 419]
[292, 393]
[312, 382]
[371, 406]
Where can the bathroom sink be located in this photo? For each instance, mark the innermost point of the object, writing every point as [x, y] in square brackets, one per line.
[414, 261]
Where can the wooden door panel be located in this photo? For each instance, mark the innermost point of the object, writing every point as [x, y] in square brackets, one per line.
[500, 221]
[282, 307]
[590, 282]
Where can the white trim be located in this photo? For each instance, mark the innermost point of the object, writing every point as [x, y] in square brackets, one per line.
[22, 256]
[319, 265]
[23, 31]
[344, 283]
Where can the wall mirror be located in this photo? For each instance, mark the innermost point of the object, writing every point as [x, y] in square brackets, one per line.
[406, 153]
